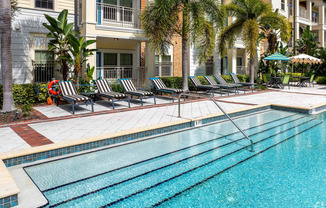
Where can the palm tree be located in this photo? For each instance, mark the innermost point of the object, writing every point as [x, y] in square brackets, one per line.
[59, 34]
[193, 20]
[308, 43]
[6, 58]
[250, 16]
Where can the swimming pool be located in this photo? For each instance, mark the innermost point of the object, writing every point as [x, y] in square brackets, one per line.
[207, 166]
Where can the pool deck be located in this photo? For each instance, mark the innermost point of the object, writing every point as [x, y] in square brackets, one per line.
[57, 124]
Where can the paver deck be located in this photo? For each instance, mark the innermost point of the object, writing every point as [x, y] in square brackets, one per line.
[58, 125]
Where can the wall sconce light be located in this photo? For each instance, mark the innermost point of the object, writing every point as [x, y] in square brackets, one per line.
[116, 39]
[176, 42]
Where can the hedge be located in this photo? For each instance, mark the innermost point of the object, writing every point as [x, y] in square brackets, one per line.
[321, 80]
[27, 94]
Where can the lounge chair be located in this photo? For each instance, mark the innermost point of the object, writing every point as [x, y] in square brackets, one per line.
[131, 90]
[105, 90]
[161, 87]
[286, 81]
[212, 81]
[252, 86]
[222, 81]
[199, 86]
[69, 93]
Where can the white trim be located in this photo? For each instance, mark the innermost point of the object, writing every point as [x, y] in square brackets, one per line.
[118, 29]
[39, 11]
[119, 37]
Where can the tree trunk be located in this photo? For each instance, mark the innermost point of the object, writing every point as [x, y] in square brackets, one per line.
[252, 70]
[6, 58]
[185, 44]
[185, 63]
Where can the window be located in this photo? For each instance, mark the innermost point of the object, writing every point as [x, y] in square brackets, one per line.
[125, 59]
[45, 4]
[43, 66]
[110, 59]
[239, 61]
[283, 5]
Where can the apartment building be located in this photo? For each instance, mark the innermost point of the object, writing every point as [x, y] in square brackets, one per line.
[31, 60]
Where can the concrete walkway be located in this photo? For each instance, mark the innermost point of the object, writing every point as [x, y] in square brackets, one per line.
[59, 125]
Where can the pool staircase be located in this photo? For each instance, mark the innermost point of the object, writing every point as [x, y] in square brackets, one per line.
[156, 180]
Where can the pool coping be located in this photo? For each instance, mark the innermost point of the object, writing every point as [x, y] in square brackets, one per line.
[9, 189]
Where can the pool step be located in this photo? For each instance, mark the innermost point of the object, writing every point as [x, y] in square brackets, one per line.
[164, 191]
[60, 193]
[223, 157]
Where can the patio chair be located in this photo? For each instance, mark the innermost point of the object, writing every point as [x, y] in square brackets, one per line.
[198, 86]
[69, 93]
[161, 87]
[228, 87]
[105, 90]
[131, 90]
[267, 79]
[286, 81]
[236, 80]
[311, 81]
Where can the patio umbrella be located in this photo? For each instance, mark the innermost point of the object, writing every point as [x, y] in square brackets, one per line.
[277, 57]
[305, 59]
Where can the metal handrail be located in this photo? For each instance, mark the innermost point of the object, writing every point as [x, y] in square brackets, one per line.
[220, 107]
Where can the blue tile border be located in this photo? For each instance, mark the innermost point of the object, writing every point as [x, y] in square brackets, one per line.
[290, 109]
[9, 201]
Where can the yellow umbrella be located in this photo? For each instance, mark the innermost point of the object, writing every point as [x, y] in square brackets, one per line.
[305, 59]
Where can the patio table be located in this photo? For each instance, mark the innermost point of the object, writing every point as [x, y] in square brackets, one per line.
[92, 95]
[303, 81]
[276, 82]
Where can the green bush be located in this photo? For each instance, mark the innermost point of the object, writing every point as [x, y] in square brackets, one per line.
[27, 94]
[117, 88]
[321, 80]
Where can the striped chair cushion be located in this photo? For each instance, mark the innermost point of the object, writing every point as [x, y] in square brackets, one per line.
[235, 78]
[77, 97]
[159, 84]
[67, 88]
[103, 85]
[173, 90]
[114, 94]
[220, 79]
[195, 81]
[139, 92]
[128, 85]
[211, 80]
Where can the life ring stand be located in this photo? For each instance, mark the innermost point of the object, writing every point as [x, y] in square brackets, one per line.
[50, 87]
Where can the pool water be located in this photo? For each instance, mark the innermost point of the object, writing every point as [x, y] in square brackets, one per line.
[208, 166]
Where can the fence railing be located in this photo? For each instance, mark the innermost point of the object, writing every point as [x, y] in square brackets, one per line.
[303, 13]
[137, 74]
[118, 15]
[244, 70]
[164, 69]
[43, 71]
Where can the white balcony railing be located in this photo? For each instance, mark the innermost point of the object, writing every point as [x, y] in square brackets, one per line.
[242, 70]
[137, 74]
[118, 16]
[303, 13]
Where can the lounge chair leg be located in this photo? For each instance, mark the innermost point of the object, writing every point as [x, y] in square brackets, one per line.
[92, 103]
[112, 104]
[73, 107]
[141, 100]
[154, 99]
[172, 98]
[128, 102]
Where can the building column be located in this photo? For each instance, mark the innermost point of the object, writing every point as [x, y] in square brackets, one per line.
[296, 17]
[217, 64]
[321, 32]
[232, 60]
[309, 10]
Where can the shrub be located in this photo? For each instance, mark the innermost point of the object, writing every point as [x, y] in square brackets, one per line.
[117, 88]
[321, 80]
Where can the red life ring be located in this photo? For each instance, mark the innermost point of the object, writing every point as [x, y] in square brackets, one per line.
[50, 87]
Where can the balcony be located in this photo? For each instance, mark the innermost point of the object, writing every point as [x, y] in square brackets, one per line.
[164, 69]
[315, 18]
[303, 13]
[243, 70]
[117, 16]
